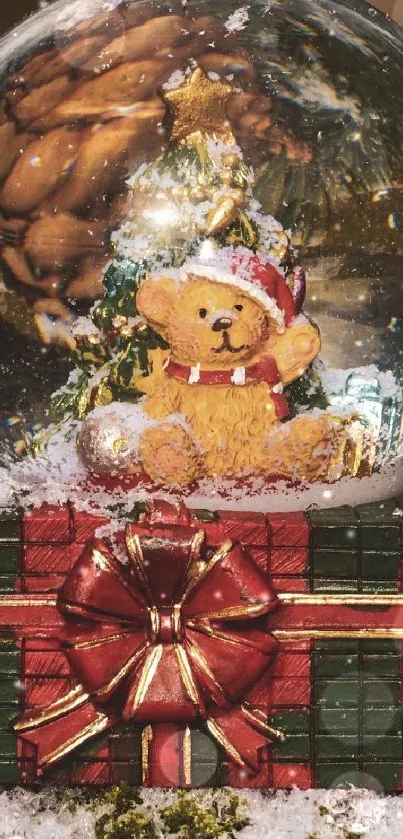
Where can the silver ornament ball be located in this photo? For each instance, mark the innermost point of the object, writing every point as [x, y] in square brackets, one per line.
[105, 444]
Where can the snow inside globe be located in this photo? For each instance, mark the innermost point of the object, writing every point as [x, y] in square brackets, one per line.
[201, 215]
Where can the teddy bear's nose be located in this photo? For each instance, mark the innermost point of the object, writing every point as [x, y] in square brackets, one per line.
[221, 323]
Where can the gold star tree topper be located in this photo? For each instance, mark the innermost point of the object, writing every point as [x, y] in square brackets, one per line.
[199, 105]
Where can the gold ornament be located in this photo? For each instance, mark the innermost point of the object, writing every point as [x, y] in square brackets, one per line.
[221, 216]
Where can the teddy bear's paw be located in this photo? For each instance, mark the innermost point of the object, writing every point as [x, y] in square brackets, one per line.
[311, 447]
[342, 448]
[168, 454]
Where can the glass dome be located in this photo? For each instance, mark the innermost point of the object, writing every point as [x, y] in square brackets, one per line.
[195, 142]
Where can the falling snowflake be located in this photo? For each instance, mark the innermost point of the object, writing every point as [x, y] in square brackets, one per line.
[238, 20]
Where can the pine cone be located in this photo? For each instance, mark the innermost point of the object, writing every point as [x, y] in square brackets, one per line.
[79, 116]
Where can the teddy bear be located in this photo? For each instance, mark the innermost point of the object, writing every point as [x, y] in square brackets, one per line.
[217, 407]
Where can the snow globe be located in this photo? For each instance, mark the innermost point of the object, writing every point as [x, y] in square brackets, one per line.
[200, 232]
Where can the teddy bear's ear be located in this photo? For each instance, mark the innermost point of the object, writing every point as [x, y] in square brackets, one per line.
[154, 299]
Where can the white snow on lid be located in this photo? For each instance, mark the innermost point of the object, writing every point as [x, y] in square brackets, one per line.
[57, 476]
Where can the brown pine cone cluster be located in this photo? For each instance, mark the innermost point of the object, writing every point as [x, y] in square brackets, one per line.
[79, 117]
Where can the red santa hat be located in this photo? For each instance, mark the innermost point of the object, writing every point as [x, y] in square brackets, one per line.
[267, 284]
[254, 274]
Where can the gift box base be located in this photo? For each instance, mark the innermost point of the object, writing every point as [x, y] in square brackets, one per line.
[334, 689]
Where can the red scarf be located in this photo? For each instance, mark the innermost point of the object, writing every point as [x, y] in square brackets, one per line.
[265, 370]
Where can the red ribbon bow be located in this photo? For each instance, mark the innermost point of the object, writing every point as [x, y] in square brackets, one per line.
[173, 635]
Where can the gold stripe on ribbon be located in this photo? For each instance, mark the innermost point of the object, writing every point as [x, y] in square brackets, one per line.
[177, 622]
[187, 757]
[258, 718]
[297, 599]
[212, 632]
[196, 545]
[92, 614]
[97, 642]
[147, 675]
[130, 664]
[100, 724]
[317, 634]
[135, 552]
[18, 600]
[155, 624]
[146, 743]
[187, 675]
[198, 656]
[195, 565]
[74, 699]
[201, 573]
[221, 738]
[252, 610]
[102, 561]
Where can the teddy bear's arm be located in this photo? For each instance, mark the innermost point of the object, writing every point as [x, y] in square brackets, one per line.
[294, 350]
[163, 400]
[147, 384]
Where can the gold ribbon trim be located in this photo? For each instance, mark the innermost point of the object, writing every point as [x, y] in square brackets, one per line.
[296, 599]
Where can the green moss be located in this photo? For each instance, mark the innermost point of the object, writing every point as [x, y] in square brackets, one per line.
[121, 814]
[119, 798]
[189, 819]
[130, 825]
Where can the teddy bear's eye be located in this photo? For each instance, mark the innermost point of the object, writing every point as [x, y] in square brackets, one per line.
[202, 313]
[238, 307]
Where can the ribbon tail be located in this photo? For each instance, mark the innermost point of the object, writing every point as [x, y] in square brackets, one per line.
[243, 733]
[258, 720]
[59, 729]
